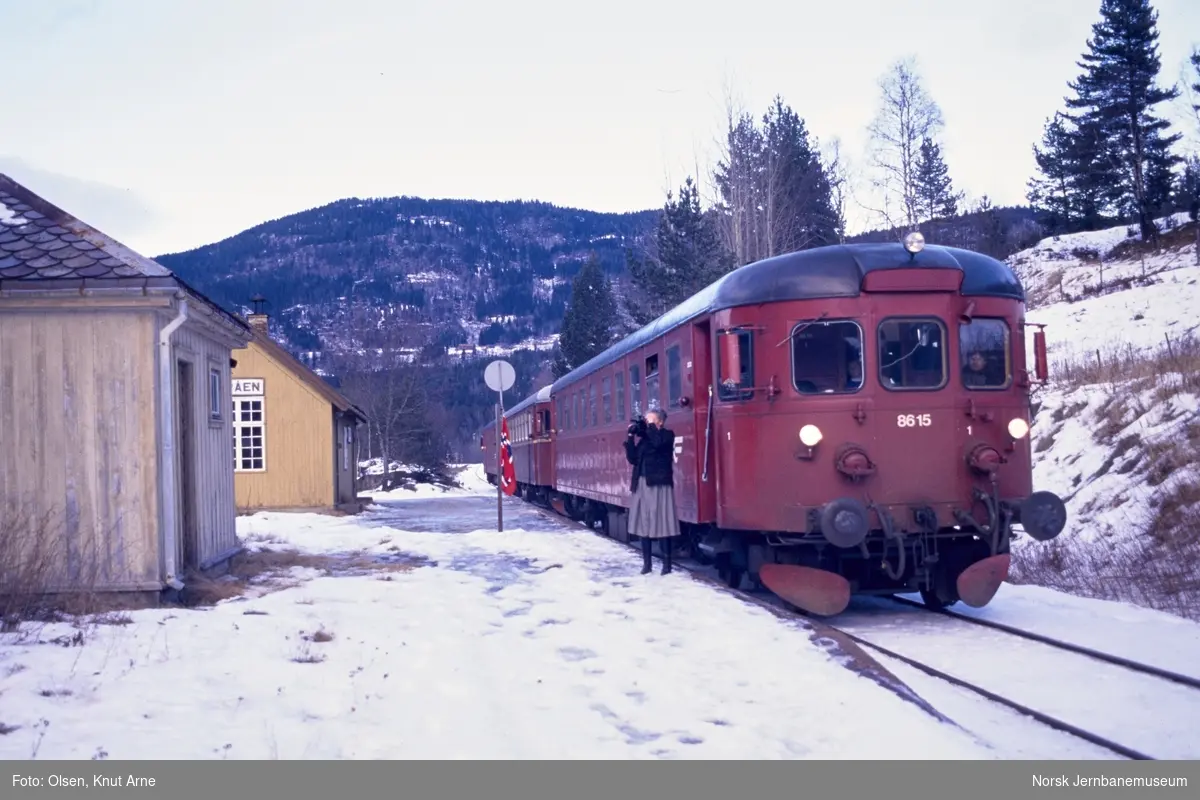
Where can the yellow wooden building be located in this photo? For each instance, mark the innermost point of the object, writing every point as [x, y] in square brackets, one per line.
[295, 436]
[115, 424]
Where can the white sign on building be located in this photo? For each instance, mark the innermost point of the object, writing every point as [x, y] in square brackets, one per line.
[248, 387]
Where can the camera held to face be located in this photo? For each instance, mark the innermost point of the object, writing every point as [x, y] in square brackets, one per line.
[637, 426]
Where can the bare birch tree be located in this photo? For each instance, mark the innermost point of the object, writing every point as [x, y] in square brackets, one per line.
[838, 169]
[906, 116]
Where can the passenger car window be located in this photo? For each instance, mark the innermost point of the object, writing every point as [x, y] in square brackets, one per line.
[620, 377]
[984, 352]
[735, 365]
[912, 354]
[674, 377]
[635, 391]
[652, 397]
[827, 357]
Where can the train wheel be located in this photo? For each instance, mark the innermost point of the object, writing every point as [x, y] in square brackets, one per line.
[735, 577]
[937, 599]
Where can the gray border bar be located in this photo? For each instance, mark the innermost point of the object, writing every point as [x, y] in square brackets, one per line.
[532, 780]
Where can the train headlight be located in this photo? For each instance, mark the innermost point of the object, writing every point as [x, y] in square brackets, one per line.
[914, 242]
[1017, 428]
[810, 435]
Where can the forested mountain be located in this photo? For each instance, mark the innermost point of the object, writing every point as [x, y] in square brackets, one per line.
[446, 265]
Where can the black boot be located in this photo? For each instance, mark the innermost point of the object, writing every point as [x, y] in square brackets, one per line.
[646, 566]
[667, 546]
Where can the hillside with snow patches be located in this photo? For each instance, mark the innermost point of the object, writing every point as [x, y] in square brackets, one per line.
[1116, 432]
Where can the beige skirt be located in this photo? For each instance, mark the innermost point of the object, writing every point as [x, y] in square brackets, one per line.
[652, 515]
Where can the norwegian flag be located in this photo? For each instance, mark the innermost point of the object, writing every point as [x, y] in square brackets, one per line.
[508, 470]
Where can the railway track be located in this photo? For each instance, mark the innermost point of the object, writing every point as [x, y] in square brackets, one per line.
[767, 599]
[1135, 666]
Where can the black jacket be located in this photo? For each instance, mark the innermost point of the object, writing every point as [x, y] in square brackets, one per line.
[652, 457]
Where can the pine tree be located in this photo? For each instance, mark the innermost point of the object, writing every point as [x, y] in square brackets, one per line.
[798, 191]
[1189, 195]
[777, 196]
[935, 195]
[688, 256]
[587, 324]
[1051, 194]
[1114, 98]
[1189, 187]
[1195, 59]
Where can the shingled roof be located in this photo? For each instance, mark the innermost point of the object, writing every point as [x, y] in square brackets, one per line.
[40, 242]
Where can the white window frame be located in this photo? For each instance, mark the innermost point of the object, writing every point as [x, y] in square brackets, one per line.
[240, 406]
[347, 444]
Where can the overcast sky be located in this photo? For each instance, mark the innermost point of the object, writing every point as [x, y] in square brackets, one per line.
[175, 123]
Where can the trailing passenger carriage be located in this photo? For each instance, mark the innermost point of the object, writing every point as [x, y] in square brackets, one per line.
[850, 419]
[529, 433]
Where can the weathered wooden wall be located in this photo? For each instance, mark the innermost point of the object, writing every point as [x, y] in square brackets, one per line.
[298, 436]
[346, 459]
[213, 493]
[77, 442]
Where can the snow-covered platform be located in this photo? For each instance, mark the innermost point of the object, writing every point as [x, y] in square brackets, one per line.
[415, 630]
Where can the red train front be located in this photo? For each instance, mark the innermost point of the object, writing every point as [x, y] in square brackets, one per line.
[849, 419]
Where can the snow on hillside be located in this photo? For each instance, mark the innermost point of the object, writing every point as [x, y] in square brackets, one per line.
[1117, 431]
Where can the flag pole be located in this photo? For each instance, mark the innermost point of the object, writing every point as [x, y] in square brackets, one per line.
[499, 465]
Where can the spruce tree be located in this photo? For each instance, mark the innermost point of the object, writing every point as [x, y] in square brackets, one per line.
[1115, 95]
[587, 324]
[688, 255]
[935, 195]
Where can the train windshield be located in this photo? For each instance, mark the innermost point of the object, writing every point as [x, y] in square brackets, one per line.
[985, 354]
[912, 354]
[827, 357]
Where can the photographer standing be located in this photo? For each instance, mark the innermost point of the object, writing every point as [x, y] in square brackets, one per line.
[650, 449]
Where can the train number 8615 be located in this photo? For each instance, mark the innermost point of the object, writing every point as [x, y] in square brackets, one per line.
[914, 421]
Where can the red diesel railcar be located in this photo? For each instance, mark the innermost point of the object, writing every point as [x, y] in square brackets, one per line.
[530, 427]
[848, 419]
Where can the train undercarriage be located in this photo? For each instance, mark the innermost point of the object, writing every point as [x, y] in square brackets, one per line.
[818, 572]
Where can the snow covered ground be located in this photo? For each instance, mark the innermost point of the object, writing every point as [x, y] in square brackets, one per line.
[1117, 432]
[540, 642]
[535, 643]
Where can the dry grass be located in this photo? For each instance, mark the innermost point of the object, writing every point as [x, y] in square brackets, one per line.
[1178, 238]
[1160, 570]
[50, 571]
[271, 570]
[1171, 367]
[1154, 559]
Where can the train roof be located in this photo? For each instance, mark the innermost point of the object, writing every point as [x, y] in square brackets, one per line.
[540, 396]
[820, 272]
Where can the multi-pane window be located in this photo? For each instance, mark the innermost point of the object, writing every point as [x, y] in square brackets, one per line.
[249, 446]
